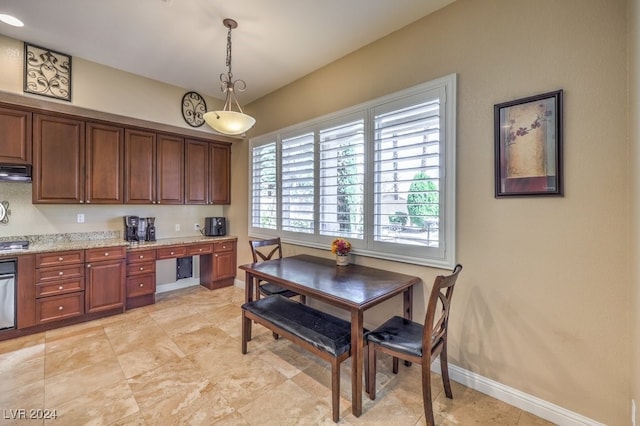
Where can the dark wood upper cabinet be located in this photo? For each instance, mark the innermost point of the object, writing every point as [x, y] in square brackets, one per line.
[104, 164]
[58, 172]
[140, 167]
[15, 136]
[207, 173]
[170, 169]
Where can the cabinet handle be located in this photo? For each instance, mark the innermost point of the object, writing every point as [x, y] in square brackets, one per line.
[140, 285]
[60, 288]
[60, 308]
[61, 273]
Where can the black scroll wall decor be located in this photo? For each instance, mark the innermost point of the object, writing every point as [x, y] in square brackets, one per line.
[47, 73]
[193, 109]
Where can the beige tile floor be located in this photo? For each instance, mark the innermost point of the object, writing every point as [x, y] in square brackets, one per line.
[179, 362]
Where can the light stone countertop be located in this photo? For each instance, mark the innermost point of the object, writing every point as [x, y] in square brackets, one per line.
[66, 242]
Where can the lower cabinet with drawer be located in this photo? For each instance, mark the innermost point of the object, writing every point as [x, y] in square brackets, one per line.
[105, 278]
[219, 269]
[141, 278]
[59, 285]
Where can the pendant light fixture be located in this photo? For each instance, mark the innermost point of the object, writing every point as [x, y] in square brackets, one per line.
[227, 121]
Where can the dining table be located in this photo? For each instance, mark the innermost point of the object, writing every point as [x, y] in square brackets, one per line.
[353, 288]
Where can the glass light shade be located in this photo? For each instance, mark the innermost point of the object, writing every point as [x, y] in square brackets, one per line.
[229, 122]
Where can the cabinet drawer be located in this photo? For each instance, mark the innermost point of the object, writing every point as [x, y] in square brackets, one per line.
[224, 246]
[141, 268]
[139, 286]
[59, 258]
[196, 249]
[59, 307]
[171, 252]
[141, 256]
[59, 287]
[44, 275]
[105, 253]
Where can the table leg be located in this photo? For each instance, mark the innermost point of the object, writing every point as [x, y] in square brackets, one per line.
[248, 297]
[407, 307]
[357, 357]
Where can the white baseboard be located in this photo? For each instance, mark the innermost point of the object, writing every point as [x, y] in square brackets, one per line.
[511, 396]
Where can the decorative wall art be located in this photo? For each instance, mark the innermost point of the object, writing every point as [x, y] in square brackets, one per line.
[528, 146]
[193, 108]
[47, 72]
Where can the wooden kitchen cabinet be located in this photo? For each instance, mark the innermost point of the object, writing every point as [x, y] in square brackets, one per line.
[105, 279]
[219, 269]
[208, 168]
[104, 164]
[154, 168]
[58, 163]
[141, 278]
[15, 128]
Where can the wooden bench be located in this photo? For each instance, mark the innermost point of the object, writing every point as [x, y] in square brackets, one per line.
[323, 334]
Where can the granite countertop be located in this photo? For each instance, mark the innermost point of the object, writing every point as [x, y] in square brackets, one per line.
[65, 242]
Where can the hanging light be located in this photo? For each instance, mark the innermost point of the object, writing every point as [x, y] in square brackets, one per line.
[227, 121]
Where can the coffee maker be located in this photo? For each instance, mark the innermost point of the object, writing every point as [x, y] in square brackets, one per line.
[131, 228]
[151, 229]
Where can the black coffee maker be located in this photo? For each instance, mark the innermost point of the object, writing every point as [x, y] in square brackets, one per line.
[131, 228]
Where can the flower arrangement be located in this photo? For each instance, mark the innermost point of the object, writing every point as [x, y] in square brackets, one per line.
[340, 246]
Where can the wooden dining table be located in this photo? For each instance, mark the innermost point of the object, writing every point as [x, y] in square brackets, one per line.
[354, 288]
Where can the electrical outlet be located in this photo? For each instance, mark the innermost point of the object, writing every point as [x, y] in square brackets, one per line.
[80, 218]
[196, 227]
[177, 227]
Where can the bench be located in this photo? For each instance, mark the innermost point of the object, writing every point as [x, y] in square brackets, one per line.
[323, 334]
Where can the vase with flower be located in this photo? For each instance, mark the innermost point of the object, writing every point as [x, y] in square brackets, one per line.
[341, 248]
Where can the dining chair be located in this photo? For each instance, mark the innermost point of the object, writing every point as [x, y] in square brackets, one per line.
[417, 343]
[262, 250]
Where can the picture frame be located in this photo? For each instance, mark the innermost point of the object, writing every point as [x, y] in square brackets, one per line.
[47, 72]
[528, 146]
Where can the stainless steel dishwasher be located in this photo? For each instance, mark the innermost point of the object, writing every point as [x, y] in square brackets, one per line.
[7, 294]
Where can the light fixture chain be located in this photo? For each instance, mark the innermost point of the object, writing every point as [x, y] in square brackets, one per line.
[229, 54]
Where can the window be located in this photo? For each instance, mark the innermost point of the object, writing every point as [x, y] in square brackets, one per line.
[381, 174]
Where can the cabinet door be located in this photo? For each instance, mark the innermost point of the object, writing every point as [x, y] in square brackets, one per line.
[58, 164]
[140, 167]
[104, 164]
[197, 172]
[105, 285]
[170, 169]
[224, 265]
[15, 128]
[220, 169]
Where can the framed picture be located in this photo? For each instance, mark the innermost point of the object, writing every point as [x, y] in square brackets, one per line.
[46, 72]
[528, 146]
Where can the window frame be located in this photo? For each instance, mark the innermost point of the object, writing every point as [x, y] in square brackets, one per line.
[442, 257]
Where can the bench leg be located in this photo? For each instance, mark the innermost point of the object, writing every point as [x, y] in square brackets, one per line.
[371, 370]
[335, 389]
[246, 332]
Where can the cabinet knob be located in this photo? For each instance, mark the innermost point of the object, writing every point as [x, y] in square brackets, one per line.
[141, 256]
[106, 254]
[60, 308]
[199, 249]
[81, 202]
[171, 253]
[88, 265]
[140, 285]
[60, 259]
[88, 201]
[60, 273]
[215, 255]
[224, 247]
[60, 288]
[142, 268]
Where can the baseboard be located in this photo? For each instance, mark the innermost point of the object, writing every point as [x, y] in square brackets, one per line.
[511, 396]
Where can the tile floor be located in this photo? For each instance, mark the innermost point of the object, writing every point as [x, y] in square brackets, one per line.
[179, 362]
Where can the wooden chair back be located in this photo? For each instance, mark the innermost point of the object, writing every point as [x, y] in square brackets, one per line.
[266, 249]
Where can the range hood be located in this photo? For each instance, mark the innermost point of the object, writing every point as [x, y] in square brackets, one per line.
[15, 172]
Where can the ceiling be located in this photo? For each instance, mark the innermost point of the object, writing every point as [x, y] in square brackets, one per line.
[183, 42]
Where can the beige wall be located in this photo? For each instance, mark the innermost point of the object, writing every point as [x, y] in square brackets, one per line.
[634, 112]
[543, 303]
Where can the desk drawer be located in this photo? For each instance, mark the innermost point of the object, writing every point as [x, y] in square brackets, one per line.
[44, 275]
[197, 249]
[141, 268]
[224, 246]
[95, 255]
[139, 286]
[141, 256]
[59, 307]
[59, 287]
[171, 252]
[59, 258]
